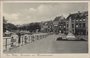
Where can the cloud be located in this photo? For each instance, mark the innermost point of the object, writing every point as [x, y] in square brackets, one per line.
[40, 12]
[14, 17]
[11, 16]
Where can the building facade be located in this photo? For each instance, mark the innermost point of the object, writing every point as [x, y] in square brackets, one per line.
[47, 26]
[59, 24]
[79, 23]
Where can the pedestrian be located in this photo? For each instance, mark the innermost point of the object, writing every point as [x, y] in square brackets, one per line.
[19, 38]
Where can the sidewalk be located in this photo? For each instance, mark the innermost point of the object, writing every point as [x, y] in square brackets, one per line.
[50, 45]
[39, 46]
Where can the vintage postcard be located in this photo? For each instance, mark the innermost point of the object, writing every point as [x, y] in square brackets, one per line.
[45, 0]
[44, 29]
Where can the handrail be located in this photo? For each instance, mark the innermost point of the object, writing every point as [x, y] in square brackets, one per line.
[23, 40]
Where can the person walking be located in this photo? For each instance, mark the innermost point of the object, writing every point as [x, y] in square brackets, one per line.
[19, 38]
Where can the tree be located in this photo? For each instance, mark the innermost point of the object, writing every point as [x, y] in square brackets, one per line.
[33, 27]
[8, 26]
[4, 24]
[11, 27]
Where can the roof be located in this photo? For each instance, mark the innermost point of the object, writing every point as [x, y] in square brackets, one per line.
[59, 18]
[78, 15]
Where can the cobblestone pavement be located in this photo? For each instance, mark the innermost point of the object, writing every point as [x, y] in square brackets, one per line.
[50, 45]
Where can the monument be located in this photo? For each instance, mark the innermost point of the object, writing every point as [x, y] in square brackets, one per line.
[70, 35]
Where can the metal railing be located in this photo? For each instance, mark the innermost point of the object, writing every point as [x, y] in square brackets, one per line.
[25, 39]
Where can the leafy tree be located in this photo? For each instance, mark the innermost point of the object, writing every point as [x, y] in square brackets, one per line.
[11, 27]
[4, 24]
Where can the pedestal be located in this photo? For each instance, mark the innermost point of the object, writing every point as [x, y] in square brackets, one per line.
[70, 36]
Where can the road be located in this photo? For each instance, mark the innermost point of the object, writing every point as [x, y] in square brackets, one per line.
[50, 45]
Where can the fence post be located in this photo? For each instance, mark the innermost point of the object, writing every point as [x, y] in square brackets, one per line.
[6, 44]
[29, 38]
[22, 40]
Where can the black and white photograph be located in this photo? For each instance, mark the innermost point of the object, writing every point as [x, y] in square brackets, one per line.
[45, 0]
[54, 28]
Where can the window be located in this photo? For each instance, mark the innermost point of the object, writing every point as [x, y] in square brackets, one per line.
[60, 26]
[80, 19]
[76, 20]
[72, 25]
[73, 31]
[64, 26]
[67, 25]
[83, 19]
[67, 21]
[80, 25]
[83, 25]
[72, 20]
[76, 25]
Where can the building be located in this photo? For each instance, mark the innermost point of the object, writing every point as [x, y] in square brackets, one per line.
[59, 24]
[79, 23]
[46, 26]
[62, 26]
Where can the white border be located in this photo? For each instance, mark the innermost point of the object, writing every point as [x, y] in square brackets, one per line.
[65, 55]
[41, 1]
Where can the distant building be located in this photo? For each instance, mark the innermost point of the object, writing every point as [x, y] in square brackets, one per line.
[79, 23]
[47, 26]
[62, 26]
[59, 24]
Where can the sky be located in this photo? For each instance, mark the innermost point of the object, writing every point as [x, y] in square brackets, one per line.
[24, 13]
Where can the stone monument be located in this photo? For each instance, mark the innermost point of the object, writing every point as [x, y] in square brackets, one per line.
[70, 35]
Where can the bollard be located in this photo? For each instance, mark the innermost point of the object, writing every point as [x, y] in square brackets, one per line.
[29, 38]
[13, 40]
[22, 41]
[40, 36]
[25, 39]
[32, 38]
[6, 44]
[37, 37]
